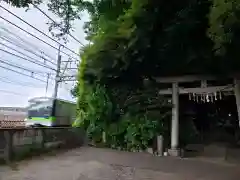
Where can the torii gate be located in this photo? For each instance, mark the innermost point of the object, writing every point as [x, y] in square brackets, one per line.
[203, 89]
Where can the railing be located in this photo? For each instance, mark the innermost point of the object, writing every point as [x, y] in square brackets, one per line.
[15, 142]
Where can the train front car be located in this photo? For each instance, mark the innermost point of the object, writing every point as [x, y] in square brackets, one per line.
[40, 113]
[51, 112]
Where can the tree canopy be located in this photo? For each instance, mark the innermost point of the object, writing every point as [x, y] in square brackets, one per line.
[188, 37]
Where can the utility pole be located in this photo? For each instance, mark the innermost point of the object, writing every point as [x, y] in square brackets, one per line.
[57, 78]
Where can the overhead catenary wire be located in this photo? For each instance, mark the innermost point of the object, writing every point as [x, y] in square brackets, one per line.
[34, 61]
[25, 49]
[28, 50]
[36, 30]
[26, 42]
[9, 69]
[30, 58]
[44, 13]
[20, 67]
[33, 35]
[6, 80]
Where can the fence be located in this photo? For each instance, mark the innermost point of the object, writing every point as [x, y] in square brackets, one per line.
[12, 119]
[17, 142]
[11, 124]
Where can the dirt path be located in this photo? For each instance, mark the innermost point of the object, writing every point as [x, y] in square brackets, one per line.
[105, 164]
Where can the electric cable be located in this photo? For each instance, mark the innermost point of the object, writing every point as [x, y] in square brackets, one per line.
[56, 23]
[35, 29]
[32, 61]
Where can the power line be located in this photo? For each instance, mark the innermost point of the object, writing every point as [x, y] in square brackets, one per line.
[33, 35]
[17, 81]
[56, 23]
[22, 73]
[19, 67]
[26, 42]
[20, 46]
[76, 39]
[35, 62]
[25, 54]
[28, 32]
[32, 52]
[36, 30]
[26, 50]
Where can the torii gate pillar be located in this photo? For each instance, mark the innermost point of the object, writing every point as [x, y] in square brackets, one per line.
[175, 151]
[237, 96]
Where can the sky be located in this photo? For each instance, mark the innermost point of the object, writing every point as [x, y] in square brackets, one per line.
[16, 89]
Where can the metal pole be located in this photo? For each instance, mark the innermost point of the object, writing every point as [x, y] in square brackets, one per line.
[48, 76]
[57, 78]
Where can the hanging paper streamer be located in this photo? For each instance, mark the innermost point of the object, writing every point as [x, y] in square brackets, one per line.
[215, 96]
[206, 97]
[220, 95]
[189, 96]
[202, 97]
[194, 97]
[212, 98]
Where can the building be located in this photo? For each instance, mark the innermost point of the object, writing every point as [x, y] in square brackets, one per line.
[12, 117]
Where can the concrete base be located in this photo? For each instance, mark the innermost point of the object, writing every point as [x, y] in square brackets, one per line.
[174, 152]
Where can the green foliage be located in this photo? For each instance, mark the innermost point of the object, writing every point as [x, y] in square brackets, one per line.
[130, 123]
[152, 38]
[224, 27]
[23, 3]
[94, 106]
[223, 17]
[139, 44]
[132, 132]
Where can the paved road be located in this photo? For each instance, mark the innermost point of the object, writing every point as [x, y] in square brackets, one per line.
[105, 164]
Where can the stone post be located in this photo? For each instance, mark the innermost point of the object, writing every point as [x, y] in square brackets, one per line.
[160, 145]
[174, 151]
[237, 96]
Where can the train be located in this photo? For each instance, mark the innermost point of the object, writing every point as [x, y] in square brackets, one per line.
[50, 112]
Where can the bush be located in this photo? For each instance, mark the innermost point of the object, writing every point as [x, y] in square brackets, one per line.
[126, 127]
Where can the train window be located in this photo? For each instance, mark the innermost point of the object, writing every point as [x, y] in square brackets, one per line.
[42, 109]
